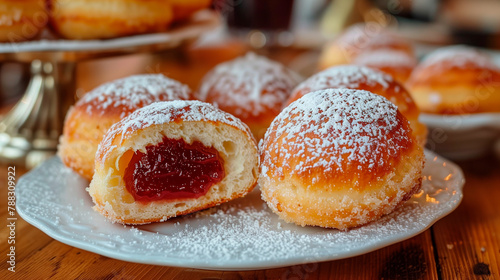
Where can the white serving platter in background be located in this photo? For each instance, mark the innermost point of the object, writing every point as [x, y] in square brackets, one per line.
[462, 137]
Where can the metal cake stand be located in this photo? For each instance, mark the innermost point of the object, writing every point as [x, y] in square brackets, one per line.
[29, 133]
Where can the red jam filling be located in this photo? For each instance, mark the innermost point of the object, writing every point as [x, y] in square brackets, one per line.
[173, 170]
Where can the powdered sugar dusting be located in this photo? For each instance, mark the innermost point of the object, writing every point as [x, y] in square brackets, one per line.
[360, 37]
[165, 112]
[361, 33]
[251, 83]
[133, 92]
[345, 76]
[332, 130]
[12, 17]
[241, 234]
[386, 57]
[458, 56]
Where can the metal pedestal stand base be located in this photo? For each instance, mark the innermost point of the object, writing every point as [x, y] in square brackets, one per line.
[29, 132]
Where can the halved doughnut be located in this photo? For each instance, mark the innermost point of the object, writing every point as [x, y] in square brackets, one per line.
[172, 158]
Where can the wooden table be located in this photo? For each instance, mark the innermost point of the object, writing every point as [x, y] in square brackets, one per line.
[463, 245]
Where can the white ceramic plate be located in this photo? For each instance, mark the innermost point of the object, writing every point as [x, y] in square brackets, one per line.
[461, 137]
[241, 235]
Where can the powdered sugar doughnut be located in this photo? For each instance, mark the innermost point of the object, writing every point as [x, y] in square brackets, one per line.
[397, 64]
[21, 20]
[358, 39]
[172, 158]
[90, 118]
[252, 88]
[339, 158]
[360, 77]
[456, 80]
[98, 19]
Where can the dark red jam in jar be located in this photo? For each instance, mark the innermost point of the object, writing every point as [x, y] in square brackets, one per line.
[173, 169]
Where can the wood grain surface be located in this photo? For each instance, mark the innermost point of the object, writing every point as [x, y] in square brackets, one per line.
[468, 240]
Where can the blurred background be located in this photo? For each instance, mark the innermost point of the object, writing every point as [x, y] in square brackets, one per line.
[294, 32]
[297, 25]
[302, 25]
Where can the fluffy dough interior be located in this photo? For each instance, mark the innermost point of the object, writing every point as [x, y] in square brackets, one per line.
[235, 147]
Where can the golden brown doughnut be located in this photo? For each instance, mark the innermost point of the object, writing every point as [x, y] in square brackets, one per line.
[100, 19]
[21, 20]
[252, 88]
[456, 80]
[90, 118]
[364, 78]
[172, 158]
[398, 64]
[339, 158]
[357, 39]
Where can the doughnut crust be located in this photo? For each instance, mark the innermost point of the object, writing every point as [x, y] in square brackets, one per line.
[339, 158]
[397, 64]
[21, 20]
[456, 80]
[89, 119]
[364, 78]
[189, 121]
[101, 19]
[252, 88]
[358, 39]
